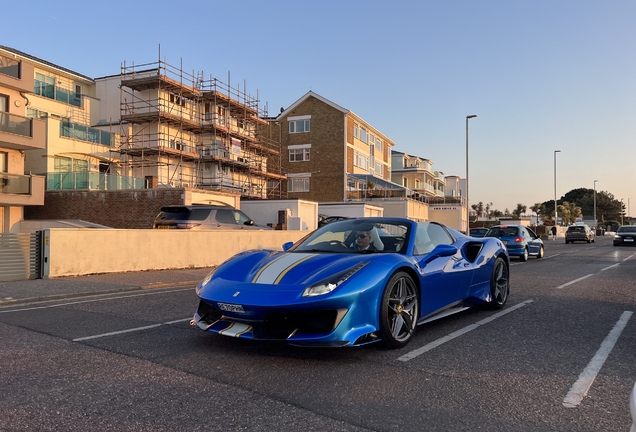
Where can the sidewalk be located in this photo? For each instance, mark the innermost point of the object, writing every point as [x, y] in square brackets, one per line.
[28, 291]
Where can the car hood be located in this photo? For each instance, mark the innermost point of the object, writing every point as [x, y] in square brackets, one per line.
[262, 268]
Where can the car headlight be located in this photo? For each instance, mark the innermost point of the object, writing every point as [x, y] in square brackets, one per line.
[205, 281]
[617, 236]
[328, 285]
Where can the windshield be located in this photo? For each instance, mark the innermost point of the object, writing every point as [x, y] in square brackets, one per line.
[357, 236]
[631, 229]
[503, 232]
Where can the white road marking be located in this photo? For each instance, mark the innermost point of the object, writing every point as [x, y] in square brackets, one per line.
[580, 388]
[428, 347]
[628, 257]
[574, 281]
[609, 267]
[130, 330]
[145, 293]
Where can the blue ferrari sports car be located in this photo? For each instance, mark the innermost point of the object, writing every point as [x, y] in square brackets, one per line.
[353, 282]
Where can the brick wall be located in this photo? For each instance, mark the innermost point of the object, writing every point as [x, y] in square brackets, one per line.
[134, 209]
[327, 163]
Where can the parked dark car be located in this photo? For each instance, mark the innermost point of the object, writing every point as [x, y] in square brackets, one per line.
[478, 232]
[520, 241]
[325, 219]
[204, 217]
[579, 233]
[625, 235]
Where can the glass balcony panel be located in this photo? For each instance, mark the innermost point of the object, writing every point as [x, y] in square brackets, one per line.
[15, 184]
[15, 124]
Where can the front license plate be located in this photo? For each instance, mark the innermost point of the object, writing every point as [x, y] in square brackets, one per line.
[231, 307]
[628, 239]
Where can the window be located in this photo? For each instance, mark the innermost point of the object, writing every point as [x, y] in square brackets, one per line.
[355, 130]
[62, 164]
[298, 184]
[378, 144]
[360, 160]
[299, 155]
[378, 169]
[363, 135]
[299, 126]
[4, 159]
[177, 100]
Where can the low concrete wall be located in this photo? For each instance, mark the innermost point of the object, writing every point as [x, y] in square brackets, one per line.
[75, 252]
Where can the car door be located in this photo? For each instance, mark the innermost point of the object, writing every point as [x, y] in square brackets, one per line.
[445, 280]
[226, 220]
[534, 242]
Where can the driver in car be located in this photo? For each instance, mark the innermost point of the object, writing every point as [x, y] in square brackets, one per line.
[363, 241]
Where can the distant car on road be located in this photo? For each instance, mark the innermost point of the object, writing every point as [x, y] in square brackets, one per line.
[576, 233]
[520, 241]
[625, 235]
[204, 217]
[478, 232]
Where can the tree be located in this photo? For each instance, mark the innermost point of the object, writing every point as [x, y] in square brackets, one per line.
[538, 209]
[488, 210]
[569, 212]
[496, 213]
[479, 209]
[521, 209]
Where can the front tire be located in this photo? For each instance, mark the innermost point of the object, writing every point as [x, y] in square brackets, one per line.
[399, 311]
[541, 252]
[499, 284]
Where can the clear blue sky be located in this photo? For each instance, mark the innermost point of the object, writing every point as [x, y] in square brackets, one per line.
[541, 75]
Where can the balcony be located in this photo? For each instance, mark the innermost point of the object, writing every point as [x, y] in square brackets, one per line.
[16, 74]
[91, 180]
[21, 190]
[22, 133]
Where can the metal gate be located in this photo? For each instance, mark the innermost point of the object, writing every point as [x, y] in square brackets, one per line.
[20, 256]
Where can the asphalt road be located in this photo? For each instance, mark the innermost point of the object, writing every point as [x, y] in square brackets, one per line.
[560, 357]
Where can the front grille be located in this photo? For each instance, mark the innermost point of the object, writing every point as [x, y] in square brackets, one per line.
[280, 325]
[208, 313]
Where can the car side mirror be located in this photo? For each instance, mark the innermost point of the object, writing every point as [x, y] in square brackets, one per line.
[249, 222]
[287, 246]
[439, 252]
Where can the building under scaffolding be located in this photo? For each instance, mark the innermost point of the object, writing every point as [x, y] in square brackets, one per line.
[182, 130]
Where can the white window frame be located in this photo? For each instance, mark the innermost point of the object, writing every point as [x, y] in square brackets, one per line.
[299, 152]
[299, 124]
[298, 183]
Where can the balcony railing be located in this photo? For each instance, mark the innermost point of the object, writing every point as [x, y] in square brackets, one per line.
[15, 184]
[15, 124]
[91, 180]
[57, 93]
[10, 67]
[85, 133]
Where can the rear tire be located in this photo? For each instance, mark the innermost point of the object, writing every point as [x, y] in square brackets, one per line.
[399, 311]
[524, 257]
[499, 284]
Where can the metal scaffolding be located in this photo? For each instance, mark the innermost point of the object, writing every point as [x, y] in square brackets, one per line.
[186, 131]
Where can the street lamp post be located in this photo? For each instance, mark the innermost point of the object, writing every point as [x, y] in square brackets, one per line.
[629, 218]
[467, 195]
[622, 211]
[595, 201]
[556, 217]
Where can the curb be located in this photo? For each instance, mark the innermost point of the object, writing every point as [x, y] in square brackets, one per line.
[14, 302]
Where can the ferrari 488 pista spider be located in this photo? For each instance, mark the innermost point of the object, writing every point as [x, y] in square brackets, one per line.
[353, 282]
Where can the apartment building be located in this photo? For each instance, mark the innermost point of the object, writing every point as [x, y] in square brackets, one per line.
[183, 130]
[20, 138]
[332, 155]
[74, 154]
[417, 173]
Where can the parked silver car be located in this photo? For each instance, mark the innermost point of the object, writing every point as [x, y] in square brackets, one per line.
[204, 217]
[579, 233]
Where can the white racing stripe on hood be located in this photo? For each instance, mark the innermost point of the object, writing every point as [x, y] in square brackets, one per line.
[270, 273]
